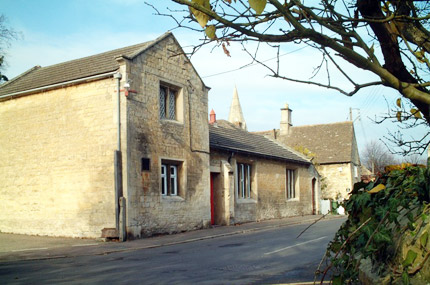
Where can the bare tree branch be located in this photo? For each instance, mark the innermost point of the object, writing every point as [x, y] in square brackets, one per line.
[391, 39]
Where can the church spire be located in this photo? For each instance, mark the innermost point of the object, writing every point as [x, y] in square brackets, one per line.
[236, 116]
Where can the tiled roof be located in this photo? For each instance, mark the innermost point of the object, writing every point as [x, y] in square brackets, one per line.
[225, 136]
[331, 143]
[71, 70]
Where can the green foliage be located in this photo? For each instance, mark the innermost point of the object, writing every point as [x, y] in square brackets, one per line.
[410, 258]
[309, 154]
[382, 214]
[424, 239]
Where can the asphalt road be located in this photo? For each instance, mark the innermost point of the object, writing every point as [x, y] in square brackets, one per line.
[262, 257]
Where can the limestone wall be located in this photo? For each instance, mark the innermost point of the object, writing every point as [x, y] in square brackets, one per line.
[268, 197]
[339, 180]
[272, 198]
[184, 140]
[56, 166]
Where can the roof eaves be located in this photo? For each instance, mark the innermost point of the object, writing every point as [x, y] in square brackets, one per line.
[56, 85]
[334, 162]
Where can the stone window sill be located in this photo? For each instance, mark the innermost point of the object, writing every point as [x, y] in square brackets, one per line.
[246, 201]
[168, 121]
[169, 199]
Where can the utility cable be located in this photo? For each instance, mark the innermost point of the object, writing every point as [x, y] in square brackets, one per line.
[253, 64]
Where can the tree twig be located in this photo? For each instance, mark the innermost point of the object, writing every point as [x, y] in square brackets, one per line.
[323, 216]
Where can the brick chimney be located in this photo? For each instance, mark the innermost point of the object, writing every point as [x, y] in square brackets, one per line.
[212, 119]
[285, 120]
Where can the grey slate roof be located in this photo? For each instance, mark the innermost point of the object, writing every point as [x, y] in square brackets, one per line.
[75, 69]
[332, 143]
[227, 137]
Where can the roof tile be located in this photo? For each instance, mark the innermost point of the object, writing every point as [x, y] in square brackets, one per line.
[71, 70]
[331, 143]
[226, 136]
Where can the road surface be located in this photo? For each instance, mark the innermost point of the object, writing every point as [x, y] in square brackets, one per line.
[261, 257]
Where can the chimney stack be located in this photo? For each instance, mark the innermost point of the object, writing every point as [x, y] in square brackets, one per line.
[285, 120]
[212, 119]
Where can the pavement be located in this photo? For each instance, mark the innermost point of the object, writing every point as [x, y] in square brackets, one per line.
[14, 247]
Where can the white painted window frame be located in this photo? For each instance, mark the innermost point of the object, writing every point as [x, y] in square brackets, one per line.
[355, 171]
[244, 172]
[163, 180]
[174, 180]
[169, 179]
[290, 185]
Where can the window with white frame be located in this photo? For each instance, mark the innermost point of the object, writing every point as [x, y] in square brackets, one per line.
[244, 172]
[290, 184]
[168, 97]
[169, 179]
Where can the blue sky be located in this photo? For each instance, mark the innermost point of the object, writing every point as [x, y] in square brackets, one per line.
[57, 31]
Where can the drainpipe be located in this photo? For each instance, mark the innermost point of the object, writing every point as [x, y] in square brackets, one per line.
[118, 76]
[118, 167]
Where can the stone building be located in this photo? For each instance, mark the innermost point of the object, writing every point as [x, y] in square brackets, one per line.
[333, 148]
[255, 178]
[64, 126]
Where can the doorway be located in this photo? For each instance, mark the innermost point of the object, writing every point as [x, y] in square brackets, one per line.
[212, 199]
[217, 200]
[314, 209]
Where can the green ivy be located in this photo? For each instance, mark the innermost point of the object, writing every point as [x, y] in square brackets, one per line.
[380, 215]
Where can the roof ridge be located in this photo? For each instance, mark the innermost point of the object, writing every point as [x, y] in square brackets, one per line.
[153, 42]
[99, 63]
[334, 123]
[303, 126]
[95, 55]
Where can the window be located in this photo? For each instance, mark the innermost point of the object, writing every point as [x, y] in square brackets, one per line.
[290, 181]
[244, 180]
[168, 97]
[169, 179]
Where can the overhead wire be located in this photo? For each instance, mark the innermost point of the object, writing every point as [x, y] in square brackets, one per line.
[253, 64]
